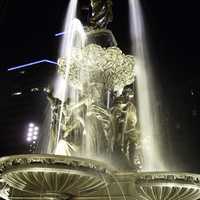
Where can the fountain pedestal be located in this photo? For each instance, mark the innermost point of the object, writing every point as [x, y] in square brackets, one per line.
[114, 186]
[150, 186]
[51, 177]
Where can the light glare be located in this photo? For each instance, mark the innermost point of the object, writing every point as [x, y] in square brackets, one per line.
[34, 137]
[36, 128]
[30, 129]
[32, 63]
[31, 125]
[16, 93]
[29, 134]
[32, 132]
[35, 133]
[29, 139]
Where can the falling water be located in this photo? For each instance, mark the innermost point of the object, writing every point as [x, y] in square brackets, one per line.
[67, 41]
[72, 27]
[65, 52]
[145, 90]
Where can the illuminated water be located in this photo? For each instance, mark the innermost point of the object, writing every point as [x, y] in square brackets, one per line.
[72, 28]
[66, 44]
[145, 90]
[152, 158]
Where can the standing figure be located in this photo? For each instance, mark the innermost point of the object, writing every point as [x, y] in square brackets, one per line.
[97, 121]
[55, 115]
[127, 137]
[85, 126]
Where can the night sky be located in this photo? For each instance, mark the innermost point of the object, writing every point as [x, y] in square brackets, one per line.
[173, 31]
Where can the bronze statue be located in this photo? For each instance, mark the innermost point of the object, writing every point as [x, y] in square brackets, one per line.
[55, 104]
[88, 124]
[101, 13]
[127, 136]
[84, 122]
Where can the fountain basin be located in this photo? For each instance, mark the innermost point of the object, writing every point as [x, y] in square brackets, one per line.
[52, 175]
[168, 186]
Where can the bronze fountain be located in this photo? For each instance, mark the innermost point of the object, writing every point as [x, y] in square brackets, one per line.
[100, 136]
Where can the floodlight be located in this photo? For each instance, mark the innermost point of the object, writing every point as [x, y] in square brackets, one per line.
[34, 137]
[35, 133]
[30, 129]
[36, 128]
[29, 134]
[31, 125]
[29, 139]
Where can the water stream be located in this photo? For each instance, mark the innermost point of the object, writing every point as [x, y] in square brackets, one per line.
[66, 50]
[66, 44]
[145, 90]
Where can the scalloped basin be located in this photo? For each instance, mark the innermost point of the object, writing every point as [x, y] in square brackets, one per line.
[50, 174]
[168, 186]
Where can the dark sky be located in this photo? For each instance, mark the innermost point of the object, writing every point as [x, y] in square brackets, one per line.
[27, 34]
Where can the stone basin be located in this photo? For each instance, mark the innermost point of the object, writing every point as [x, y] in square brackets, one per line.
[52, 175]
[168, 186]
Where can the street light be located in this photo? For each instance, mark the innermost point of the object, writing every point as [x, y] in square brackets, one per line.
[31, 125]
[36, 128]
[34, 138]
[29, 139]
[35, 133]
[29, 134]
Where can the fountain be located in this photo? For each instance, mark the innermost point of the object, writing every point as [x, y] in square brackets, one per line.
[95, 148]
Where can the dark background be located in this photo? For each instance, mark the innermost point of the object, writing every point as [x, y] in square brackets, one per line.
[27, 31]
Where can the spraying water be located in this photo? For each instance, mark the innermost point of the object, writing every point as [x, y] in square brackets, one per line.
[65, 52]
[67, 39]
[73, 27]
[151, 153]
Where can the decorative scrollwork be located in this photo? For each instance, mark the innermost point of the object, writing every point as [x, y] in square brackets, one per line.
[34, 175]
[95, 64]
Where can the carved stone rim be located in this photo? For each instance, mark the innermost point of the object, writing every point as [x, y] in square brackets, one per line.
[168, 179]
[31, 161]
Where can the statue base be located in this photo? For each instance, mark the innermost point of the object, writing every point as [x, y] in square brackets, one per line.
[50, 177]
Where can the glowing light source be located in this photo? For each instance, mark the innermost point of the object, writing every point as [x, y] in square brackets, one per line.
[34, 137]
[30, 129]
[29, 139]
[31, 64]
[31, 125]
[35, 133]
[59, 34]
[29, 134]
[36, 128]
[32, 134]
[34, 89]
[16, 93]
